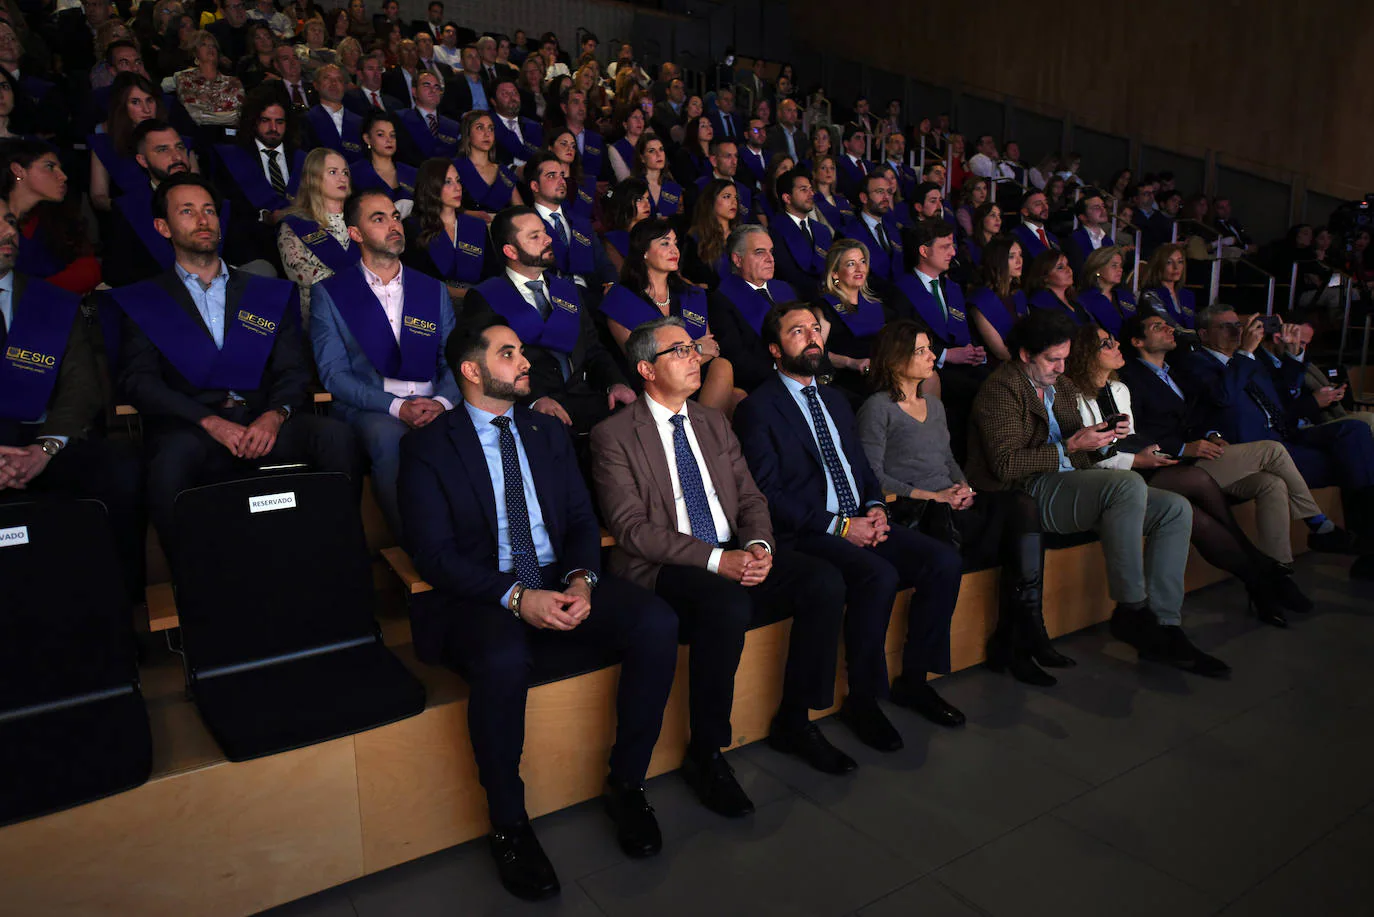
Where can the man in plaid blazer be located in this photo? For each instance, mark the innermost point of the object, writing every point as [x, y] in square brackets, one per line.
[1027, 434]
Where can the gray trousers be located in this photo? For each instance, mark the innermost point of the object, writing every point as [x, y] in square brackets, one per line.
[1121, 508]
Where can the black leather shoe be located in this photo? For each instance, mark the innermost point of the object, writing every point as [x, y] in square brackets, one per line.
[713, 780]
[923, 699]
[635, 826]
[812, 747]
[1024, 670]
[1178, 651]
[1136, 626]
[1336, 541]
[524, 869]
[869, 723]
[1268, 612]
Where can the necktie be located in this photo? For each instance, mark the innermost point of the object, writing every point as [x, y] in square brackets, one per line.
[1044, 239]
[558, 228]
[274, 172]
[522, 555]
[376, 100]
[296, 99]
[806, 231]
[939, 297]
[1278, 422]
[541, 302]
[693, 490]
[882, 239]
[433, 124]
[763, 291]
[831, 457]
[863, 167]
[728, 123]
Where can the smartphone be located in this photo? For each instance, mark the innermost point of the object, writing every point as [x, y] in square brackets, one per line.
[1336, 376]
[1160, 453]
[1271, 324]
[1112, 421]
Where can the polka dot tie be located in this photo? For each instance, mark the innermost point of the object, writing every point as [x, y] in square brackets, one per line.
[522, 554]
[693, 490]
[848, 507]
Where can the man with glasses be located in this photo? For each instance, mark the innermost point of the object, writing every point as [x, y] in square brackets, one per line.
[232, 31]
[691, 525]
[1028, 435]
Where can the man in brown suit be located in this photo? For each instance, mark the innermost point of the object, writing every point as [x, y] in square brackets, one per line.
[690, 524]
[1027, 434]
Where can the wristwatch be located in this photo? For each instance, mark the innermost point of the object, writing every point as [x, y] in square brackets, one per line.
[588, 575]
[49, 445]
[284, 411]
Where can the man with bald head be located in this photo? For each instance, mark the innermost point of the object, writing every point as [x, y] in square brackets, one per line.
[787, 136]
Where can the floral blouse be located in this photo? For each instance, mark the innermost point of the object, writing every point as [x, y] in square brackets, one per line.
[209, 101]
[301, 266]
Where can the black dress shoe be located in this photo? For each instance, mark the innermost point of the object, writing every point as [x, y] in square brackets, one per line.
[812, 747]
[524, 869]
[923, 699]
[869, 723]
[1336, 541]
[635, 826]
[1137, 626]
[1268, 612]
[713, 780]
[1178, 651]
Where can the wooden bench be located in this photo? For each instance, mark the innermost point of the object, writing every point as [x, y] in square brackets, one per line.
[213, 838]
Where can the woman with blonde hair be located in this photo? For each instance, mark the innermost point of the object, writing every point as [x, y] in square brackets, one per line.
[851, 314]
[1162, 290]
[1100, 290]
[210, 97]
[312, 238]
[488, 186]
[350, 57]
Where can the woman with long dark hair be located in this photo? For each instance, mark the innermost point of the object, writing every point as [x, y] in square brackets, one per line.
[631, 124]
[651, 287]
[831, 206]
[629, 206]
[651, 164]
[1049, 284]
[705, 260]
[54, 244]
[996, 305]
[692, 159]
[987, 224]
[133, 100]
[380, 168]
[905, 435]
[581, 200]
[443, 240]
[1094, 358]
[489, 187]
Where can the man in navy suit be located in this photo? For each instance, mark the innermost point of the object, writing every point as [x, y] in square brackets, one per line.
[753, 157]
[800, 243]
[499, 521]
[427, 133]
[518, 139]
[378, 331]
[1032, 233]
[1094, 230]
[578, 253]
[725, 164]
[737, 307]
[1248, 395]
[368, 94]
[875, 230]
[803, 448]
[331, 125]
[724, 119]
[851, 167]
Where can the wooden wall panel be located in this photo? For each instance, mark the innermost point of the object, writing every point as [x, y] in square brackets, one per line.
[1274, 86]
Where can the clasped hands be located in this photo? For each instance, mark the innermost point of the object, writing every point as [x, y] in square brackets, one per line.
[869, 529]
[549, 610]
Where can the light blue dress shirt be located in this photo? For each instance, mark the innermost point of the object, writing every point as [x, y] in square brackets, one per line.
[832, 498]
[1056, 434]
[1163, 373]
[210, 300]
[479, 96]
[490, 438]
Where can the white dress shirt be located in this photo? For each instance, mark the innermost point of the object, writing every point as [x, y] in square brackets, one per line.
[664, 424]
[1096, 235]
[282, 160]
[513, 125]
[392, 296]
[335, 115]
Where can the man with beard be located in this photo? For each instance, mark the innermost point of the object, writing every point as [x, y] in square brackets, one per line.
[572, 376]
[212, 358]
[50, 399]
[800, 243]
[803, 447]
[577, 252]
[690, 524]
[134, 250]
[261, 173]
[1032, 233]
[378, 332]
[876, 231]
[499, 521]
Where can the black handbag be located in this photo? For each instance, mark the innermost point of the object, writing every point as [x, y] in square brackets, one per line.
[929, 517]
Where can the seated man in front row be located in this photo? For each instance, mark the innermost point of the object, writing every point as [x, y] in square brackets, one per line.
[498, 519]
[378, 332]
[212, 359]
[50, 397]
[572, 376]
[1026, 434]
[802, 444]
[690, 524]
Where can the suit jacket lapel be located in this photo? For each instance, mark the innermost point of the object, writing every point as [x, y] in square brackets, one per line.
[791, 413]
[464, 437]
[655, 459]
[543, 474]
[714, 454]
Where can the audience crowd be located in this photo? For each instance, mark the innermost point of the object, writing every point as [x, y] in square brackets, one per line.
[794, 360]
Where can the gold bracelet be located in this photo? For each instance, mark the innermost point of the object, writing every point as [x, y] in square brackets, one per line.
[517, 594]
[844, 528]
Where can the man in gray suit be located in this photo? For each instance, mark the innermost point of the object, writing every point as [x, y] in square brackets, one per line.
[690, 524]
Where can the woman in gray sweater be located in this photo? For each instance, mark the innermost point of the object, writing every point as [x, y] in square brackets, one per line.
[906, 439]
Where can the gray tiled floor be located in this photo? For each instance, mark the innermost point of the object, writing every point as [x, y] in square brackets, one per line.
[1124, 790]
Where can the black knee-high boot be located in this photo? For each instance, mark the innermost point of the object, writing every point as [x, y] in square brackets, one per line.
[1020, 640]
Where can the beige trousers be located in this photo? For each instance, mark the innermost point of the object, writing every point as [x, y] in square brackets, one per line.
[1264, 472]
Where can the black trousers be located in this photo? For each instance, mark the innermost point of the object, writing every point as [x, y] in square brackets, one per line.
[716, 612]
[495, 652]
[184, 456]
[99, 469]
[872, 577]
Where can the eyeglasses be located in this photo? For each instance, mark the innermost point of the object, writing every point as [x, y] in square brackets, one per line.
[1228, 326]
[1108, 344]
[681, 351]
